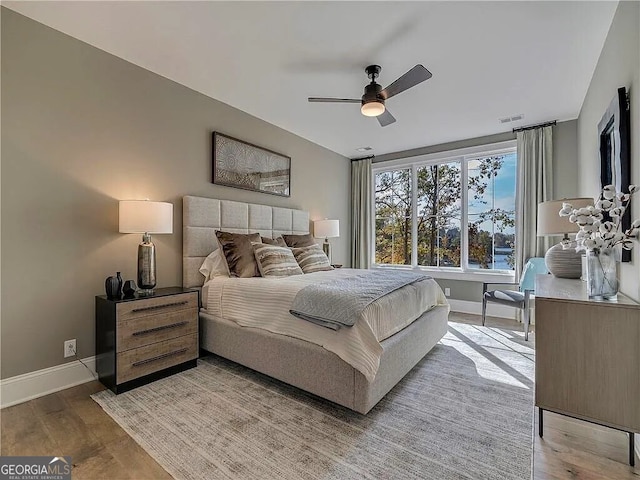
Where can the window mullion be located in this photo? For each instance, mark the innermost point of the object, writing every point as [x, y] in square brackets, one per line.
[464, 220]
[414, 215]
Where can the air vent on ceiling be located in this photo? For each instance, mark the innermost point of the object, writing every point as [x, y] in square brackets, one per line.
[363, 149]
[513, 118]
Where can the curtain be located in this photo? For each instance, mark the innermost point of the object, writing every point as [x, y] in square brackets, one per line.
[534, 185]
[361, 217]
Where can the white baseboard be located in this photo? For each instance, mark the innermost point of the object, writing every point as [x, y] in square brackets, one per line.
[36, 384]
[493, 310]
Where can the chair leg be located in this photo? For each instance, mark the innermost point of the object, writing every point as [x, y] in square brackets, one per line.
[526, 323]
[484, 309]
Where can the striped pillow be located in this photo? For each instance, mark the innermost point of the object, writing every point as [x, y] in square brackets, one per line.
[312, 259]
[274, 261]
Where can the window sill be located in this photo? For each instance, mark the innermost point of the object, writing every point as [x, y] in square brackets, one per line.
[447, 274]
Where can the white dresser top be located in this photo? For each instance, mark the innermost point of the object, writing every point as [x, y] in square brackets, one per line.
[548, 286]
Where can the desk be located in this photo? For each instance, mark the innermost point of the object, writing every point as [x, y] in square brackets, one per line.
[587, 356]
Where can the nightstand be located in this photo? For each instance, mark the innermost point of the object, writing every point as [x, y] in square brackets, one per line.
[142, 339]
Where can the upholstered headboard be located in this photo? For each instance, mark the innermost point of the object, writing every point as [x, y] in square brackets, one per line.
[201, 217]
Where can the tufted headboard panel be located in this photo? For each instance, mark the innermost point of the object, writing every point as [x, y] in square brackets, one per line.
[201, 217]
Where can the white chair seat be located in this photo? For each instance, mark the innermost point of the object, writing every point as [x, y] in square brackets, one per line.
[511, 298]
[520, 298]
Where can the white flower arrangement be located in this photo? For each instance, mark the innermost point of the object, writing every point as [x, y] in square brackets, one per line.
[596, 233]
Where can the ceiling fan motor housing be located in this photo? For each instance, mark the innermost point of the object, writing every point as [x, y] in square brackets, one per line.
[372, 93]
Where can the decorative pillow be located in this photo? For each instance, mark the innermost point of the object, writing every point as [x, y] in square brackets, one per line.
[275, 261]
[312, 259]
[214, 265]
[299, 241]
[274, 241]
[238, 251]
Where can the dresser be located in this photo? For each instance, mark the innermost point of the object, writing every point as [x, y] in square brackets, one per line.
[587, 356]
[141, 339]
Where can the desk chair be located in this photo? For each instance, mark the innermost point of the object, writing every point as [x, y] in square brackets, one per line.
[520, 298]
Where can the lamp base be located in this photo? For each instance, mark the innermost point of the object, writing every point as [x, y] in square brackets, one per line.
[146, 264]
[564, 263]
[326, 248]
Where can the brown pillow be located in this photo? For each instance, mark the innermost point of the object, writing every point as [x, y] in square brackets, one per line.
[278, 242]
[299, 241]
[238, 251]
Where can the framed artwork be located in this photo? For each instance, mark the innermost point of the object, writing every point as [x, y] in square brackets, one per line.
[244, 165]
[615, 151]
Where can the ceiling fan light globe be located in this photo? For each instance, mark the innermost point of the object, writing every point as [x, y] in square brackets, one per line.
[372, 109]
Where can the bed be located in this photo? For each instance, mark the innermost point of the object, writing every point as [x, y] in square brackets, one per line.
[312, 364]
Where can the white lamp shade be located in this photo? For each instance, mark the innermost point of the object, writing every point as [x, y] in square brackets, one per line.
[551, 223]
[326, 228]
[372, 109]
[143, 216]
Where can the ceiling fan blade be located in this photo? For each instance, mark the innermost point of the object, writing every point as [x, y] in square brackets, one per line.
[386, 118]
[333, 100]
[413, 77]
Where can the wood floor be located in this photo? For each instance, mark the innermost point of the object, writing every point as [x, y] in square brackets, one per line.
[70, 423]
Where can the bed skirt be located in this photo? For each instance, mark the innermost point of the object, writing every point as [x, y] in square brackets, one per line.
[318, 371]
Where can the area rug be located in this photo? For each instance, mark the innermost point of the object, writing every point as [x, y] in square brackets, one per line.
[465, 411]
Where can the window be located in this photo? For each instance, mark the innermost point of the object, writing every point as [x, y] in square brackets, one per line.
[453, 210]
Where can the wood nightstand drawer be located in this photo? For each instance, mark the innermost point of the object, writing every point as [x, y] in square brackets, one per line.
[157, 305]
[151, 358]
[137, 332]
[143, 338]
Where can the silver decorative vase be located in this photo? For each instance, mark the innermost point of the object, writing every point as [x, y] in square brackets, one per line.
[602, 274]
[146, 265]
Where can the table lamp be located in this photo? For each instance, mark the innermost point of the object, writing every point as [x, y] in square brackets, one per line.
[561, 262]
[326, 229]
[146, 217]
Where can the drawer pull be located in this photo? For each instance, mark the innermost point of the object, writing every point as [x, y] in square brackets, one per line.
[158, 307]
[158, 329]
[159, 357]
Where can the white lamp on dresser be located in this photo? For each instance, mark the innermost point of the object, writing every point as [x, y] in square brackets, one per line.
[146, 217]
[562, 260]
[326, 229]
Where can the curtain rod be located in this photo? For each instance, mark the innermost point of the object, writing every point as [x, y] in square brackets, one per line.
[362, 158]
[531, 127]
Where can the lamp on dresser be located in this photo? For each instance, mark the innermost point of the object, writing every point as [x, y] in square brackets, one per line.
[326, 229]
[146, 217]
[562, 260]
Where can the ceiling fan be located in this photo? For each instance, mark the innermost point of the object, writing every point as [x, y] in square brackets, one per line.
[373, 100]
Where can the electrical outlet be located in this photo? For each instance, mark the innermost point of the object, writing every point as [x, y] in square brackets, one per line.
[70, 348]
[447, 292]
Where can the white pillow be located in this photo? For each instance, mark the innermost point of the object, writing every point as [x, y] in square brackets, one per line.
[215, 265]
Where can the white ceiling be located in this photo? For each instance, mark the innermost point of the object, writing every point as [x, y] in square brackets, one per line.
[489, 59]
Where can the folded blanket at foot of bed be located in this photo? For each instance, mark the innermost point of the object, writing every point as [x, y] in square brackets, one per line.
[340, 302]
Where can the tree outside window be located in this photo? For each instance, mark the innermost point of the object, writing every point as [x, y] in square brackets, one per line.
[441, 215]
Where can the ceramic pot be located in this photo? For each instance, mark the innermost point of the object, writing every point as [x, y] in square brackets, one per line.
[112, 287]
[120, 283]
[129, 288]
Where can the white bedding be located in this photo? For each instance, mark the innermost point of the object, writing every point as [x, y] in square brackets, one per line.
[264, 303]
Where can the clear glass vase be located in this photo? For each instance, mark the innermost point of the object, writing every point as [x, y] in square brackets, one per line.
[602, 274]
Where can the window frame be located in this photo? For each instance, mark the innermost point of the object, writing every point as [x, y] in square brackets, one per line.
[462, 155]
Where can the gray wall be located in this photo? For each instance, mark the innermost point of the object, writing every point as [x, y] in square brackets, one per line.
[82, 129]
[443, 147]
[618, 66]
[565, 155]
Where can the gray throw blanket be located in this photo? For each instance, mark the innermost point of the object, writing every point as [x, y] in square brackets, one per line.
[339, 303]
